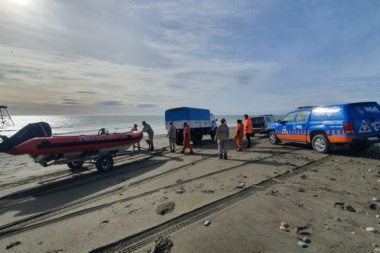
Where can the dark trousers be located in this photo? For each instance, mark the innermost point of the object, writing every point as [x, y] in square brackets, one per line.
[248, 136]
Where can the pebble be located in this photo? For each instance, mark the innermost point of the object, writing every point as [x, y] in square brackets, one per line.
[370, 229]
[353, 233]
[376, 250]
[377, 216]
[375, 199]
[206, 223]
[284, 224]
[302, 244]
[307, 240]
[327, 228]
[241, 185]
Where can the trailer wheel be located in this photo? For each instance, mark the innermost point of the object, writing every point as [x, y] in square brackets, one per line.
[104, 162]
[75, 165]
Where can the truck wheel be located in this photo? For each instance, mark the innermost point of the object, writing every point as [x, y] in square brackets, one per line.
[198, 136]
[321, 144]
[273, 138]
[179, 139]
[212, 134]
[75, 165]
[104, 162]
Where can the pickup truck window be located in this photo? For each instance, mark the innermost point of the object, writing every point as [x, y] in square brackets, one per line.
[289, 117]
[302, 116]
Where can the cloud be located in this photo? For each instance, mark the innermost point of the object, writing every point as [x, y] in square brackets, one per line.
[86, 92]
[146, 56]
[146, 105]
[110, 103]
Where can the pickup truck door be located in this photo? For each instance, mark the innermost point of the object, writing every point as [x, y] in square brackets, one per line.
[293, 126]
[284, 128]
[300, 125]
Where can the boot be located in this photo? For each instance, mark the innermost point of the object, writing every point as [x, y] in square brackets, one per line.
[220, 156]
[225, 157]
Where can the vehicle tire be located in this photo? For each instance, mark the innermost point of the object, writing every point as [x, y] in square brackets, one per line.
[273, 138]
[179, 139]
[359, 147]
[197, 139]
[321, 144]
[212, 134]
[75, 165]
[104, 162]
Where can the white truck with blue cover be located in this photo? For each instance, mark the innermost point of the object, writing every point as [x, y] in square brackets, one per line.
[201, 121]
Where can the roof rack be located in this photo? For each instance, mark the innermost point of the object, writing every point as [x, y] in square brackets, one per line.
[307, 106]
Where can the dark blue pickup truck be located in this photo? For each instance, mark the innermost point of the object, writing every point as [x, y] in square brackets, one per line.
[355, 124]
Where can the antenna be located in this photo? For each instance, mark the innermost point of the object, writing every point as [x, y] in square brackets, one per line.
[5, 117]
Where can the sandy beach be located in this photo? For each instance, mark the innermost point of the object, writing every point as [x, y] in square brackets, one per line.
[179, 203]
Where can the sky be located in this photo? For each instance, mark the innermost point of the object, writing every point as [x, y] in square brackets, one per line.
[125, 57]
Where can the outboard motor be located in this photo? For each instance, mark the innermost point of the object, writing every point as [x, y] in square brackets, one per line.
[30, 131]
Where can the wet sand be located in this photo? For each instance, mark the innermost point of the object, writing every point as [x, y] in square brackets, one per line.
[152, 202]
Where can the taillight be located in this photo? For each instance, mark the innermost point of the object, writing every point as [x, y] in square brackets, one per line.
[349, 128]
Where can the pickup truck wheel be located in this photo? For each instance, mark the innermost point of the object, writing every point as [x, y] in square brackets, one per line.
[321, 144]
[273, 138]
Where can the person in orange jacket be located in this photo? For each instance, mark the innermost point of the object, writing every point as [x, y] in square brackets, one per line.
[186, 138]
[239, 134]
[248, 129]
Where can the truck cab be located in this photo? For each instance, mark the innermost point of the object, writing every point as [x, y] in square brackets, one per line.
[201, 121]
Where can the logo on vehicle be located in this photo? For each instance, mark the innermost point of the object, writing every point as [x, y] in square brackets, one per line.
[364, 128]
[284, 130]
[372, 109]
[376, 125]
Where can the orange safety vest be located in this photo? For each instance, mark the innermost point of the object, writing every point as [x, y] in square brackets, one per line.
[186, 133]
[239, 131]
[248, 126]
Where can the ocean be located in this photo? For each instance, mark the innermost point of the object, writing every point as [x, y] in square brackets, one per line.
[78, 125]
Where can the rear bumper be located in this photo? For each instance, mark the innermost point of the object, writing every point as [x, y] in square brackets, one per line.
[260, 130]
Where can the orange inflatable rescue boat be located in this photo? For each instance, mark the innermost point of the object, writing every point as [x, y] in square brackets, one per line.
[37, 141]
